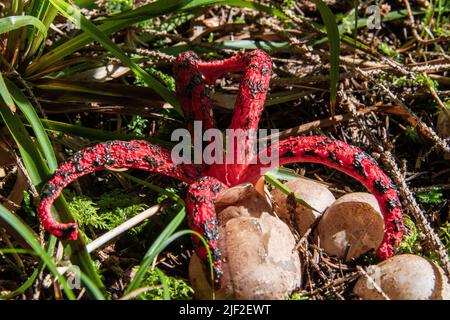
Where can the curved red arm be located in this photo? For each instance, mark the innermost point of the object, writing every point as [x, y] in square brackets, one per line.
[352, 161]
[192, 91]
[192, 75]
[137, 154]
[200, 204]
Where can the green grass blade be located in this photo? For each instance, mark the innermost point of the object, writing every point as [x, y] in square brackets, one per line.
[256, 6]
[24, 287]
[168, 240]
[4, 93]
[27, 234]
[283, 188]
[85, 132]
[151, 10]
[185, 5]
[17, 250]
[331, 27]
[157, 246]
[165, 286]
[283, 174]
[30, 114]
[29, 282]
[268, 46]
[47, 16]
[95, 134]
[37, 9]
[91, 287]
[95, 33]
[31, 157]
[15, 22]
[181, 233]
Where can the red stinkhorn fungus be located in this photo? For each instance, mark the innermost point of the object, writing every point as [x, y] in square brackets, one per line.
[206, 182]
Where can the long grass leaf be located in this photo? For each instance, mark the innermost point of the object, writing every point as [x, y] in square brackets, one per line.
[331, 27]
[192, 4]
[95, 134]
[155, 188]
[15, 22]
[4, 93]
[157, 246]
[30, 154]
[164, 284]
[27, 234]
[284, 174]
[47, 16]
[283, 188]
[24, 287]
[148, 259]
[72, 13]
[92, 288]
[33, 119]
[151, 9]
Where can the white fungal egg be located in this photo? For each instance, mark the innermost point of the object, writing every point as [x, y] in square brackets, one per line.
[293, 213]
[351, 226]
[404, 277]
[258, 256]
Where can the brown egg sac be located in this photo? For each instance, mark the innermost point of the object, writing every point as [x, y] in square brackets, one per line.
[259, 260]
[404, 277]
[351, 226]
[293, 213]
[244, 200]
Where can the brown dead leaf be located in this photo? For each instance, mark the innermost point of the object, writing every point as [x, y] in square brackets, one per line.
[16, 194]
[102, 74]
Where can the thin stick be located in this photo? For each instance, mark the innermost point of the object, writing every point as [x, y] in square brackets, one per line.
[135, 293]
[322, 123]
[438, 101]
[108, 236]
[373, 283]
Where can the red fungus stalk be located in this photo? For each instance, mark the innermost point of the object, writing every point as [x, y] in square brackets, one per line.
[206, 182]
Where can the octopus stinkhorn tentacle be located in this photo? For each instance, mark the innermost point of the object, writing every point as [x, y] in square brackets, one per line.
[200, 203]
[116, 154]
[352, 161]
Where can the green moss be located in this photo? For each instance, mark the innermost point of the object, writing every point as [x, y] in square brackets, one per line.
[411, 239]
[178, 288]
[444, 233]
[387, 50]
[118, 6]
[418, 80]
[297, 296]
[137, 125]
[110, 210]
[434, 197]
[412, 134]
